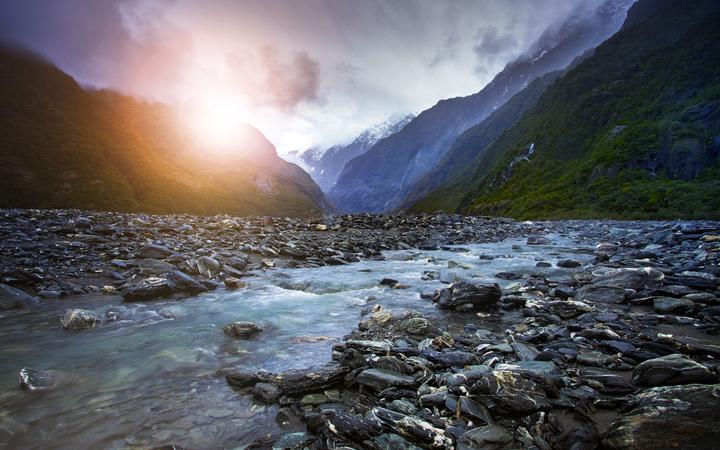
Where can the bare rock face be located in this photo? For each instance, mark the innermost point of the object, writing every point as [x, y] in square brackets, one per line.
[669, 417]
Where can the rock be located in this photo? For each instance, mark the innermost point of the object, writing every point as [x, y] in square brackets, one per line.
[154, 251]
[671, 370]
[344, 426]
[538, 240]
[568, 263]
[568, 309]
[392, 441]
[600, 294]
[511, 391]
[233, 283]
[321, 227]
[245, 378]
[314, 399]
[302, 381]
[155, 266]
[366, 346]
[473, 410]
[380, 379]
[266, 392]
[352, 358]
[388, 282]
[79, 319]
[668, 417]
[637, 279]
[459, 358]
[597, 359]
[668, 305]
[488, 437]
[148, 289]
[392, 364]
[208, 267]
[35, 380]
[416, 325]
[180, 282]
[467, 377]
[13, 298]
[464, 296]
[413, 429]
[242, 330]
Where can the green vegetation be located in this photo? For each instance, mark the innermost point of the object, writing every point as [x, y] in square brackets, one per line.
[631, 132]
[62, 146]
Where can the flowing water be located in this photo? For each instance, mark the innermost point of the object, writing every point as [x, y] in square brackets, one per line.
[151, 378]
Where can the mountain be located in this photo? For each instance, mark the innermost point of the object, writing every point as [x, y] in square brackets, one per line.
[632, 132]
[444, 186]
[63, 146]
[325, 165]
[379, 179]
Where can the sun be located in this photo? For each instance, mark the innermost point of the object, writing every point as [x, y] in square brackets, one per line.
[217, 121]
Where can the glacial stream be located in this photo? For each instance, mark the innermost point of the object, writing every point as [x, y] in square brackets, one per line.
[151, 377]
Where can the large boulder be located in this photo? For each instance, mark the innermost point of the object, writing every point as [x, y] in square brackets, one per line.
[671, 370]
[671, 417]
[467, 296]
[13, 298]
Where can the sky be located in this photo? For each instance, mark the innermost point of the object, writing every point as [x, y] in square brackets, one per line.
[305, 72]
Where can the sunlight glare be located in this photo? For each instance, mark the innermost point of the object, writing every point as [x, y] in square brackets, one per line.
[217, 121]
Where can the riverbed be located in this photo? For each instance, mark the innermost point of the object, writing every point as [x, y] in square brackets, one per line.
[151, 376]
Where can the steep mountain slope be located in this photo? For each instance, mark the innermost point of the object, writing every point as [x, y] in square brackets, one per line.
[325, 165]
[459, 164]
[633, 131]
[63, 146]
[380, 179]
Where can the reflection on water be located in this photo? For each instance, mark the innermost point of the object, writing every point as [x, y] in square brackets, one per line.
[151, 377]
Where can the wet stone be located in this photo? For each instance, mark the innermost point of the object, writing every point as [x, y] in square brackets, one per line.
[79, 319]
[671, 370]
[36, 380]
[242, 330]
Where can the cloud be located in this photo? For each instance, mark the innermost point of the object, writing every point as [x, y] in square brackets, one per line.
[268, 80]
[491, 46]
[445, 52]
